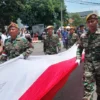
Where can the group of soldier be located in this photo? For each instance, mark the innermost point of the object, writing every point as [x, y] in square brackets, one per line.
[19, 43]
[52, 44]
[89, 40]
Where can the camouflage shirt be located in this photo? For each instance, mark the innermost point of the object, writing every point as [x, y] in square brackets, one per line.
[72, 38]
[51, 43]
[13, 48]
[91, 43]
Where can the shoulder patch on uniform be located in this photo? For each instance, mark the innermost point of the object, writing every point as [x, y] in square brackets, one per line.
[98, 31]
[24, 39]
[7, 40]
[55, 36]
[18, 39]
[75, 34]
[21, 39]
[83, 35]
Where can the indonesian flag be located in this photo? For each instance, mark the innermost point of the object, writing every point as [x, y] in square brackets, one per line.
[36, 78]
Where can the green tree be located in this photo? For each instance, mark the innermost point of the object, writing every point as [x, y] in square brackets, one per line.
[10, 10]
[37, 11]
[57, 9]
[77, 20]
[32, 11]
[43, 11]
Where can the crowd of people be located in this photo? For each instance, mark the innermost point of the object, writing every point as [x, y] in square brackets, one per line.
[51, 39]
[71, 35]
[16, 42]
[68, 35]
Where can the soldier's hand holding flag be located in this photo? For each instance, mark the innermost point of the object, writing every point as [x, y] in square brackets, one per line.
[78, 61]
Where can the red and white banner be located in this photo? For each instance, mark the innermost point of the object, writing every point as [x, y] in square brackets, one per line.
[38, 77]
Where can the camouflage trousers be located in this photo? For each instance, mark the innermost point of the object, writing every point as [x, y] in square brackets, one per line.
[91, 77]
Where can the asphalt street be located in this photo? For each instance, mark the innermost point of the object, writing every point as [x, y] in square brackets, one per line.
[72, 90]
[38, 48]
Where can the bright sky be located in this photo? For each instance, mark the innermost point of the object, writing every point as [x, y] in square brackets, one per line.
[75, 7]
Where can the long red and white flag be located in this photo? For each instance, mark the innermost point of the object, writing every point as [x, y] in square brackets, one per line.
[38, 77]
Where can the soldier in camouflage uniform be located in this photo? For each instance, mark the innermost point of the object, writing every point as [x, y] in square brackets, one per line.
[72, 37]
[91, 43]
[51, 42]
[15, 46]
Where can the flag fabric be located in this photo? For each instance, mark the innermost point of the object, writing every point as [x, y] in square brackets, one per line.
[36, 78]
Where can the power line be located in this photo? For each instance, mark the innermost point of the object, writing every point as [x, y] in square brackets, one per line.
[83, 2]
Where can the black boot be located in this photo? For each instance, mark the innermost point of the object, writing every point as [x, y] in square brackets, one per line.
[98, 97]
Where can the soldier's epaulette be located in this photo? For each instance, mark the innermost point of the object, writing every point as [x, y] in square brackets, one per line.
[21, 39]
[18, 39]
[98, 31]
[74, 34]
[7, 40]
[55, 36]
[83, 35]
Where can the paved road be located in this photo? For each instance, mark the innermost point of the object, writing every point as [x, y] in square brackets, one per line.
[38, 49]
[71, 89]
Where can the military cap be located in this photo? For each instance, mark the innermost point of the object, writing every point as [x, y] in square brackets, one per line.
[68, 27]
[64, 27]
[12, 24]
[72, 27]
[49, 27]
[81, 25]
[91, 16]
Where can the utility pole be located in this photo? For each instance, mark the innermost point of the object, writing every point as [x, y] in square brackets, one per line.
[61, 15]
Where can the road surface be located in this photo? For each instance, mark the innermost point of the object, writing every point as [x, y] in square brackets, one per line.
[38, 48]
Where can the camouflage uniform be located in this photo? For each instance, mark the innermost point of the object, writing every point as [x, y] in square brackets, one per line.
[72, 38]
[91, 44]
[13, 48]
[51, 44]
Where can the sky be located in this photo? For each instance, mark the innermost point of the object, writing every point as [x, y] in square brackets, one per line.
[75, 7]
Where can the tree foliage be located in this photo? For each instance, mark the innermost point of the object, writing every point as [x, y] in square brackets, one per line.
[77, 20]
[43, 11]
[10, 10]
[32, 11]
